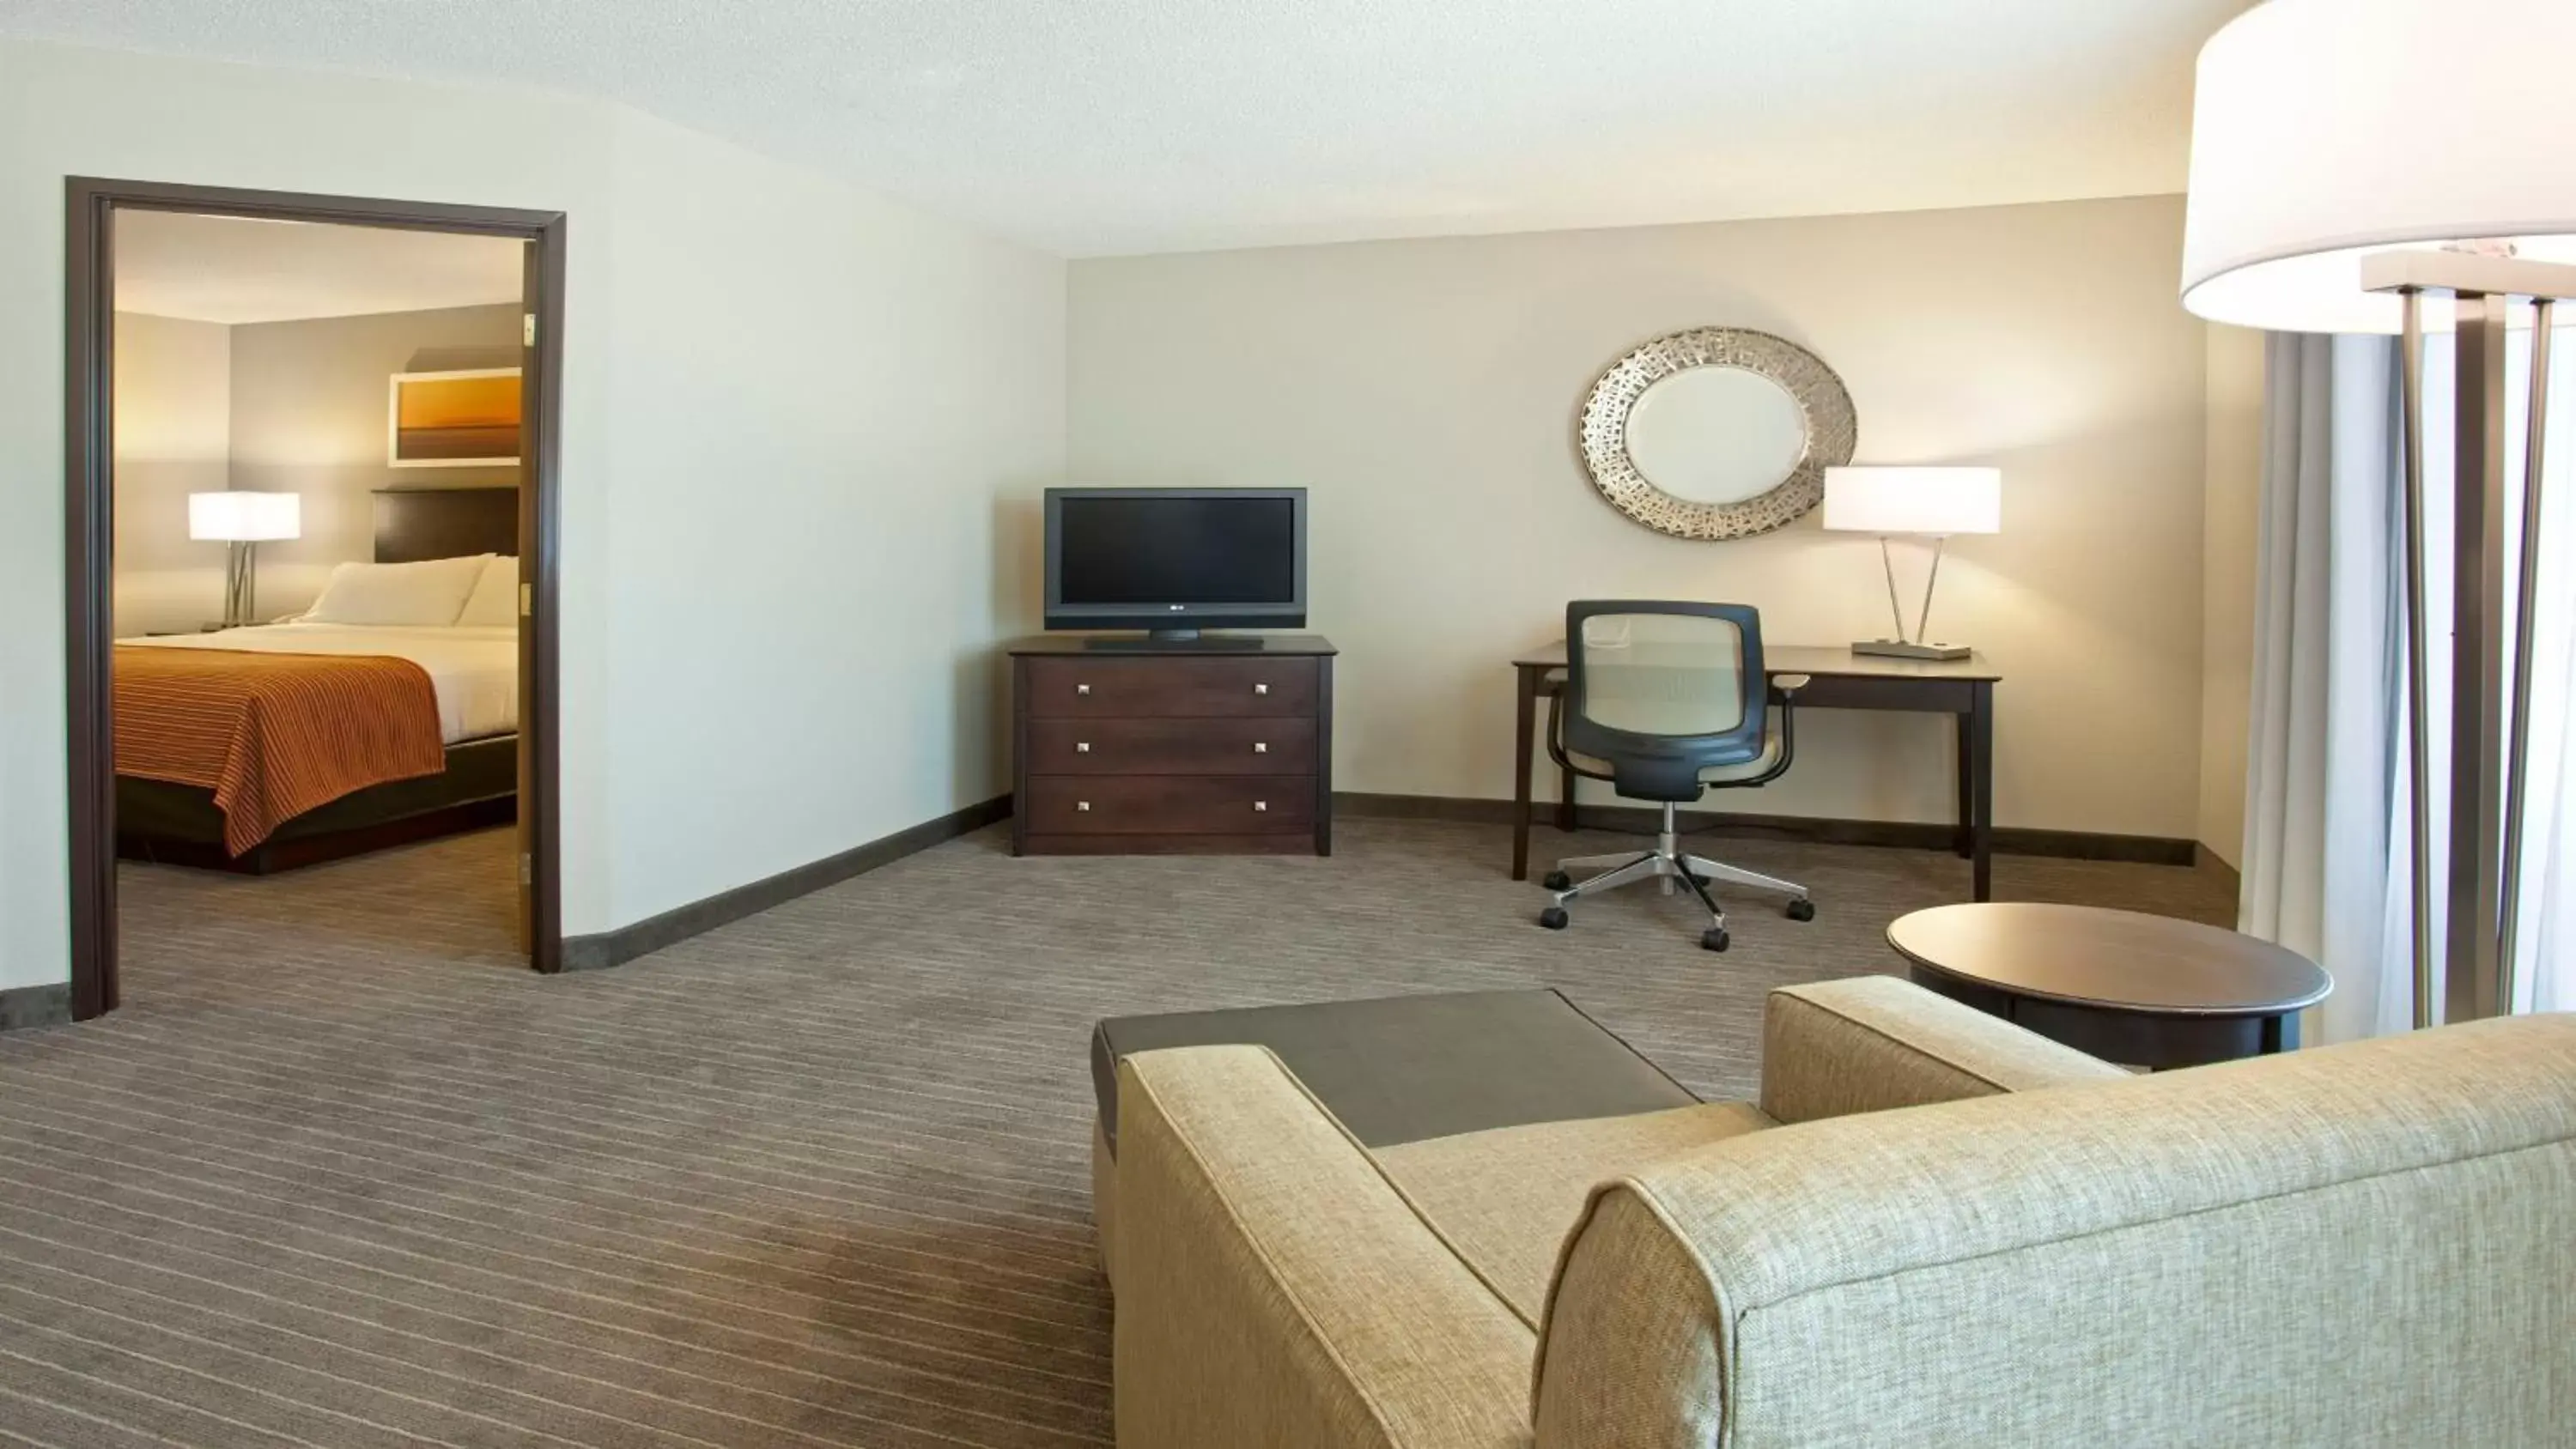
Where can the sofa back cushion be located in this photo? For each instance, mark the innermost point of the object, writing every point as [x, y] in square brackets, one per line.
[2329, 1247]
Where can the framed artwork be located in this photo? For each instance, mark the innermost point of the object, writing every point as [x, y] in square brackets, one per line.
[465, 419]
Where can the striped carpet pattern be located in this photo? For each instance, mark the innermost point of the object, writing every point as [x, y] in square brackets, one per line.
[341, 1174]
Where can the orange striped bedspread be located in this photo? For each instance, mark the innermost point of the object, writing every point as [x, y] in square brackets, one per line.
[273, 735]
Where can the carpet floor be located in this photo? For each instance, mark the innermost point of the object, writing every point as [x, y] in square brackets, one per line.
[340, 1173]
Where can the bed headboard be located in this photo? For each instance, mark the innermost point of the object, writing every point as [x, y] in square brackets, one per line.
[420, 523]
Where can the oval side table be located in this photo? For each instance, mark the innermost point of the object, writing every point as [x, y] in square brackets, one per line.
[2140, 990]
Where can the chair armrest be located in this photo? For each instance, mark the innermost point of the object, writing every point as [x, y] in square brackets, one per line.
[1275, 1291]
[1877, 1042]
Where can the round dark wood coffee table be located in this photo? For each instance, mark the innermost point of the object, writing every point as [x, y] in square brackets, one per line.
[2141, 990]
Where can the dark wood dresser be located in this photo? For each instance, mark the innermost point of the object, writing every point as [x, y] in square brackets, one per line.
[1222, 747]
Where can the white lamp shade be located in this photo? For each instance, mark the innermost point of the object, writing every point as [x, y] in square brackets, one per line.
[2324, 130]
[1914, 500]
[245, 517]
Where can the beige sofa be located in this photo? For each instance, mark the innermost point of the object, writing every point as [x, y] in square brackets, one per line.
[1933, 1229]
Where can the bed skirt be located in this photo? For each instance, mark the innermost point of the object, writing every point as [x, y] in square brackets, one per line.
[180, 825]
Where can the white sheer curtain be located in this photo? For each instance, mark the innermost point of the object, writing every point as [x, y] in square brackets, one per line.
[2327, 833]
[2326, 674]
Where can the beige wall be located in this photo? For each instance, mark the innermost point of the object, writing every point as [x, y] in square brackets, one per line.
[789, 408]
[2232, 509]
[1426, 392]
[309, 410]
[295, 407]
[173, 438]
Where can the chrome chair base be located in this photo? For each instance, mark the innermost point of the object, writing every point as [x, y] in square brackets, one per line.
[1668, 863]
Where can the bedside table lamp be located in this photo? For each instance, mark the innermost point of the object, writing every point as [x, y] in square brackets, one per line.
[244, 521]
[1925, 502]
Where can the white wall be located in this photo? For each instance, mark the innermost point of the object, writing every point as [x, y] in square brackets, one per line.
[1426, 392]
[806, 511]
[2232, 512]
[744, 342]
[173, 405]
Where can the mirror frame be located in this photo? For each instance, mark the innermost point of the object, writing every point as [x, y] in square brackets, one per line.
[1833, 431]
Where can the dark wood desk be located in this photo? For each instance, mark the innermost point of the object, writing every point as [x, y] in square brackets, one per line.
[1838, 679]
[2140, 990]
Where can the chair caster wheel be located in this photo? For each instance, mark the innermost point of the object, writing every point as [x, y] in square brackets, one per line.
[1556, 880]
[1553, 918]
[1802, 909]
[1713, 939]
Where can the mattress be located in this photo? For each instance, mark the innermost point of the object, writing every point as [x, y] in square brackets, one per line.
[473, 669]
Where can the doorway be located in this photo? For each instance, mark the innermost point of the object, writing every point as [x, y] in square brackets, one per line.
[93, 209]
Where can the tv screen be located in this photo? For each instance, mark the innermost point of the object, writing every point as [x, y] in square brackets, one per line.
[1173, 559]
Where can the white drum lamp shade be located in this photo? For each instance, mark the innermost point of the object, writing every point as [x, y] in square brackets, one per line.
[2324, 130]
[1935, 501]
[245, 517]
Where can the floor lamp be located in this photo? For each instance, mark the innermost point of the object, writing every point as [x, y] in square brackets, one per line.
[2347, 164]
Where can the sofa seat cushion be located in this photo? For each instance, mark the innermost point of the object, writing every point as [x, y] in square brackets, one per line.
[1504, 1199]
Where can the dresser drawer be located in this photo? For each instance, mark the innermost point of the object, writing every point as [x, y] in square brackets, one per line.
[1171, 747]
[1169, 804]
[1167, 688]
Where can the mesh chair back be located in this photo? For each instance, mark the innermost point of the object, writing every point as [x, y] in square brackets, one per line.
[1660, 691]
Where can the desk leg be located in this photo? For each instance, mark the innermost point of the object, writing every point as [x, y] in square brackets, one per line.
[1525, 734]
[1964, 842]
[1979, 730]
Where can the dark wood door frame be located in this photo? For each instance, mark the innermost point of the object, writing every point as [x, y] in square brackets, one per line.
[89, 330]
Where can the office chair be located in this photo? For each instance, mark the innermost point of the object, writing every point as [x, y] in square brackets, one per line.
[1666, 701]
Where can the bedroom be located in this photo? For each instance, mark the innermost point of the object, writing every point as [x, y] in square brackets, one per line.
[316, 582]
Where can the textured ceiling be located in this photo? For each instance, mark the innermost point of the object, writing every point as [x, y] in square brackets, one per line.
[227, 269]
[1108, 126]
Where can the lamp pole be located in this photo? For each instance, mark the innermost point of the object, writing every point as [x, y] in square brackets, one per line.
[2490, 702]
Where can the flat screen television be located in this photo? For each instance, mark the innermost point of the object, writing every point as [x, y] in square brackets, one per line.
[1174, 561]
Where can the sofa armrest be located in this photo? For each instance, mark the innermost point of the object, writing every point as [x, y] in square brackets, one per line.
[1876, 1042]
[2193, 1257]
[1275, 1290]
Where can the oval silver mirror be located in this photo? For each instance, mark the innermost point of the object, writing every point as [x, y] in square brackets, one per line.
[1718, 432]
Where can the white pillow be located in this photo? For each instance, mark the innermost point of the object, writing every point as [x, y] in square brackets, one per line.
[495, 600]
[429, 592]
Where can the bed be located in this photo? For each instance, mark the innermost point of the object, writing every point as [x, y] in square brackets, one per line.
[424, 714]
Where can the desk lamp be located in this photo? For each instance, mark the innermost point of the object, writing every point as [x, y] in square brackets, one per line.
[1923, 502]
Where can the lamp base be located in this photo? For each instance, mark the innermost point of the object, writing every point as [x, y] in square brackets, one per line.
[1899, 649]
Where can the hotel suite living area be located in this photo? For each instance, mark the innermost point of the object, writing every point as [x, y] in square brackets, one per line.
[979, 1021]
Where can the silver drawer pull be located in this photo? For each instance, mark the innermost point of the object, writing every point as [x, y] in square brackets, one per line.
[1260, 804]
[1260, 747]
[1261, 689]
[1082, 689]
[1082, 747]
[1082, 805]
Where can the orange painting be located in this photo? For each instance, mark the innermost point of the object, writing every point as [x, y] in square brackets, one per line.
[456, 419]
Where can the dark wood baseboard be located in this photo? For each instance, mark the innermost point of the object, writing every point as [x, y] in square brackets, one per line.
[612, 948]
[284, 855]
[1913, 835]
[2210, 865]
[22, 1007]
